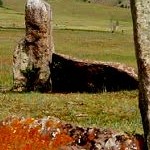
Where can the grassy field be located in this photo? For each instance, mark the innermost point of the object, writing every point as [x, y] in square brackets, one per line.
[81, 30]
[107, 110]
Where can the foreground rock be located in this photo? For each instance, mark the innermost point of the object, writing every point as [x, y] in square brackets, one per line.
[50, 133]
[33, 55]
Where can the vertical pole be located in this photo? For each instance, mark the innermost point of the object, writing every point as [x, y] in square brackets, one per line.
[141, 24]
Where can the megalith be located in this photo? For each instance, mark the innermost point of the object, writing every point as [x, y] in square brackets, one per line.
[33, 55]
[141, 23]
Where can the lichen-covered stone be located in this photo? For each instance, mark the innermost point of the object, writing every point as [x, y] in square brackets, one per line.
[50, 133]
[33, 55]
[20, 63]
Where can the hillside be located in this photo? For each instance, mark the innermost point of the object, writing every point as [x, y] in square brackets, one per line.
[77, 14]
[120, 3]
[74, 22]
[17, 5]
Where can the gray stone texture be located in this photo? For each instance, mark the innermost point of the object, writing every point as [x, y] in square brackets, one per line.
[33, 55]
[141, 23]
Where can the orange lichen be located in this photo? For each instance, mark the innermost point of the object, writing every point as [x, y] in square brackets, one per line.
[26, 135]
[61, 140]
[51, 134]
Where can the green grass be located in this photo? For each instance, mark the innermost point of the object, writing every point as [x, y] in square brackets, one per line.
[11, 18]
[17, 5]
[77, 14]
[101, 46]
[107, 110]
[82, 31]
[8, 41]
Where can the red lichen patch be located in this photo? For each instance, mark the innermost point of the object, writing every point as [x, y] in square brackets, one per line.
[19, 135]
[51, 134]
[30, 134]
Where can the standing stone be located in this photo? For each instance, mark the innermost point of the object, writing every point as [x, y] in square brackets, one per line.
[33, 55]
[141, 22]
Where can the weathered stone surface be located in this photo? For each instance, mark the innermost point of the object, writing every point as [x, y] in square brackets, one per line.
[141, 23]
[72, 75]
[20, 64]
[33, 55]
[59, 135]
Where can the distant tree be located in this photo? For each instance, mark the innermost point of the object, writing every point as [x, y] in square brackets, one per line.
[1, 3]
